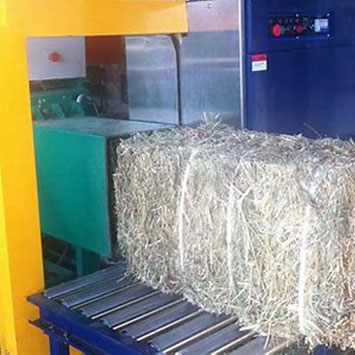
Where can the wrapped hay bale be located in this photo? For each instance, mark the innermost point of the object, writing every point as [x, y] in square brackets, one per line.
[255, 225]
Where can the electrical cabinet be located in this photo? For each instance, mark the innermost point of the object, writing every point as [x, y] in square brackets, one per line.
[299, 67]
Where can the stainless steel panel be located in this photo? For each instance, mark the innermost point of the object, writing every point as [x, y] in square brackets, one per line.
[210, 77]
[152, 79]
[211, 80]
[213, 15]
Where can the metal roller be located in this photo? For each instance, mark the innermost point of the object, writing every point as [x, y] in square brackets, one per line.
[78, 284]
[160, 321]
[181, 335]
[277, 348]
[146, 315]
[116, 301]
[234, 344]
[138, 309]
[169, 326]
[96, 291]
[214, 341]
[255, 347]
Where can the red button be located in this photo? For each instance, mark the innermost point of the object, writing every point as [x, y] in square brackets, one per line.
[54, 57]
[299, 29]
[276, 30]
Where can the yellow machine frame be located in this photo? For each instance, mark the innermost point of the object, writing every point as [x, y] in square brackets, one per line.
[21, 272]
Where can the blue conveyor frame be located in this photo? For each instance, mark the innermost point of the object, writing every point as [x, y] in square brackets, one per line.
[66, 329]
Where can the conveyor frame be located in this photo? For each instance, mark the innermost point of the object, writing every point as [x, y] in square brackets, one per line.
[66, 329]
[120, 302]
[110, 312]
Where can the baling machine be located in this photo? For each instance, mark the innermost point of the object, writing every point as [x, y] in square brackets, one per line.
[275, 66]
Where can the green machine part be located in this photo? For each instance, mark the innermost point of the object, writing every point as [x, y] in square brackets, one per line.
[56, 99]
[63, 99]
[73, 187]
[75, 160]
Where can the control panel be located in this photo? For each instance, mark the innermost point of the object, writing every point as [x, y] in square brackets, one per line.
[296, 26]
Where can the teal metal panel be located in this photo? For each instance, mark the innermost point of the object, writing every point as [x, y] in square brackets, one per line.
[98, 126]
[73, 187]
[75, 160]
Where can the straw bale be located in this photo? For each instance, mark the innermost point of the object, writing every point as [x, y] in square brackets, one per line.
[244, 223]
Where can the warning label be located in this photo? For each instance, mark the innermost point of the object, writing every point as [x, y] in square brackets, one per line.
[259, 62]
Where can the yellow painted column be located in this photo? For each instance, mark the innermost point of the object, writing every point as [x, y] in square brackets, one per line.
[21, 271]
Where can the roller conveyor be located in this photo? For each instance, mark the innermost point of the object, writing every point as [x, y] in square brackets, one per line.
[84, 282]
[112, 313]
[112, 302]
[101, 289]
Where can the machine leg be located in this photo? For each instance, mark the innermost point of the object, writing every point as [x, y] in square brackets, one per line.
[57, 347]
[21, 267]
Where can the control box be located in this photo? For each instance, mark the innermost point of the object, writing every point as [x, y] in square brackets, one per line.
[297, 25]
[299, 67]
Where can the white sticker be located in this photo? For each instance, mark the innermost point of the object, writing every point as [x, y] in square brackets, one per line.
[321, 25]
[259, 62]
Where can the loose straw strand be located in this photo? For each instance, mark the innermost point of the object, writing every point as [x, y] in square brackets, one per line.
[302, 273]
[181, 209]
[229, 234]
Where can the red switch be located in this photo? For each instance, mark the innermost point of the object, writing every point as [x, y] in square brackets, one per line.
[276, 30]
[299, 29]
[54, 57]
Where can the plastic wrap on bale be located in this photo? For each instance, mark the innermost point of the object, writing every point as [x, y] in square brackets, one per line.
[251, 224]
